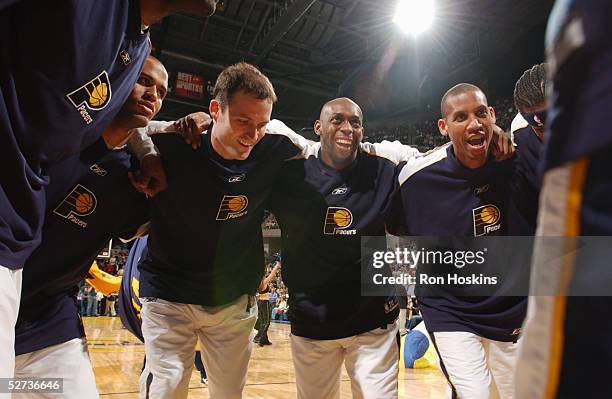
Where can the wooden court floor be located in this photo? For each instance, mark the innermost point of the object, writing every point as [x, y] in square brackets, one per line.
[117, 358]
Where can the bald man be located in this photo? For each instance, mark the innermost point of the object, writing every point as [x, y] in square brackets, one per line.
[325, 204]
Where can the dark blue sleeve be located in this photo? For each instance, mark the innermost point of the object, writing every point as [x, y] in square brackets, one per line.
[525, 185]
[394, 216]
[61, 100]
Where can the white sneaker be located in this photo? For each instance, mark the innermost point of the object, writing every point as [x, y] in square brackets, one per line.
[204, 381]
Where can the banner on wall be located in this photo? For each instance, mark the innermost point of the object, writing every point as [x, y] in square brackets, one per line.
[189, 85]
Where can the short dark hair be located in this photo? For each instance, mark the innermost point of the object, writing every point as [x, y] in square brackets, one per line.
[456, 90]
[246, 77]
[530, 89]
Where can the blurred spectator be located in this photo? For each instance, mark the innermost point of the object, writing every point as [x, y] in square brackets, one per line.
[110, 305]
[92, 301]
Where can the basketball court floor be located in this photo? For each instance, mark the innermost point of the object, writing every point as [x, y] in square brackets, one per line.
[117, 359]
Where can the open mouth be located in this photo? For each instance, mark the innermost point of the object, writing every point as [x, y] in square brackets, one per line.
[344, 143]
[476, 142]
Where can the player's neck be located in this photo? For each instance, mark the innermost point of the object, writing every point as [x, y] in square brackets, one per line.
[337, 164]
[217, 146]
[115, 136]
[469, 162]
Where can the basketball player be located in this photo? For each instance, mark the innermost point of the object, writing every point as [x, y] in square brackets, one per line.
[446, 193]
[205, 257]
[350, 327]
[567, 348]
[328, 201]
[528, 132]
[530, 100]
[89, 200]
[57, 107]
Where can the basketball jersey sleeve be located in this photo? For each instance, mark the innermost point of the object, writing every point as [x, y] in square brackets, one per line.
[303, 147]
[140, 143]
[392, 150]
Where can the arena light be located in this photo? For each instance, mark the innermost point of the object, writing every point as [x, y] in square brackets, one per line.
[414, 16]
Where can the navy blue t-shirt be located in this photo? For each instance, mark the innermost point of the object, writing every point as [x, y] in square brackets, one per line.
[441, 197]
[90, 200]
[205, 243]
[323, 213]
[66, 68]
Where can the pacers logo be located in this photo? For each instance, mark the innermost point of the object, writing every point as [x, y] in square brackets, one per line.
[232, 206]
[79, 202]
[337, 221]
[93, 95]
[486, 219]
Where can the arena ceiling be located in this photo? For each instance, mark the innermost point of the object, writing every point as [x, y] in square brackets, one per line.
[314, 50]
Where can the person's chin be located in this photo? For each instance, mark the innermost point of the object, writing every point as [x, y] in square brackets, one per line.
[133, 121]
[136, 121]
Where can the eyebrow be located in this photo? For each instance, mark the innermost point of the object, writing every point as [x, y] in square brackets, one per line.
[348, 116]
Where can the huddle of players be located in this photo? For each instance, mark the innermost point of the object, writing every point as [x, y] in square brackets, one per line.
[237, 151]
[91, 199]
[339, 174]
[201, 229]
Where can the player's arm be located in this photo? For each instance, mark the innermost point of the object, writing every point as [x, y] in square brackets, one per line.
[151, 178]
[265, 281]
[300, 146]
[190, 127]
[525, 185]
[502, 146]
[394, 151]
[394, 213]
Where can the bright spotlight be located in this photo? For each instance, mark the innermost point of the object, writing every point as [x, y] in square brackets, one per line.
[414, 16]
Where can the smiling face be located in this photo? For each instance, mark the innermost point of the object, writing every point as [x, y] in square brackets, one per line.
[341, 130]
[239, 125]
[146, 97]
[469, 122]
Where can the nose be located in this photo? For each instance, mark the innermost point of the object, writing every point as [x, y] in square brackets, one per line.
[151, 94]
[475, 123]
[346, 127]
[252, 132]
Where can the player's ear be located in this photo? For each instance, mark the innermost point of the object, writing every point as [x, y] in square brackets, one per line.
[317, 127]
[492, 112]
[214, 107]
[443, 127]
